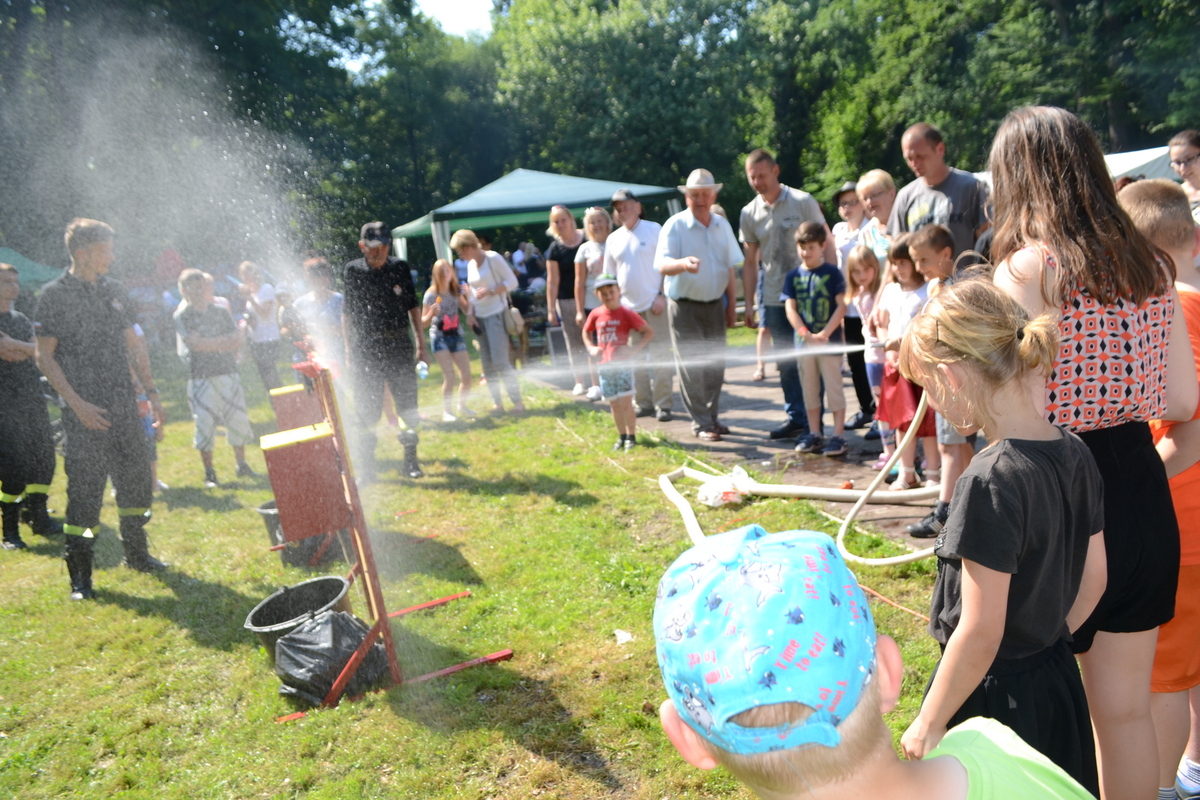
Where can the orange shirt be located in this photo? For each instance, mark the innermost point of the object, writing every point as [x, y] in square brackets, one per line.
[1185, 487]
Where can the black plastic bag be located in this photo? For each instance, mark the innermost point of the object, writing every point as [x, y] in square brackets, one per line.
[309, 659]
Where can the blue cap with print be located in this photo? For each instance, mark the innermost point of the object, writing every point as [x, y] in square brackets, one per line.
[750, 618]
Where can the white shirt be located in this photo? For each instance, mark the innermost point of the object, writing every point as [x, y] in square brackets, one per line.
[715, 246]
[844, 240]
[901, 306]
[493, 273]
[266, 325]
[629, 255]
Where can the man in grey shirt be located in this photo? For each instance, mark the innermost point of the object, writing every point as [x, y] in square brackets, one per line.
[768, 228]
[941, 195]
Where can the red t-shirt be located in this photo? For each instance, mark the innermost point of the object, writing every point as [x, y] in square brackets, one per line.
[1185, 487]
[612, 329]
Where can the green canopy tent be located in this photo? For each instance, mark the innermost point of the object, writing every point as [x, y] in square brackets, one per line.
[32, 274]
[520, 197]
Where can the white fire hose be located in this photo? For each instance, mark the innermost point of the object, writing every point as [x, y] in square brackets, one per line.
[746, 485]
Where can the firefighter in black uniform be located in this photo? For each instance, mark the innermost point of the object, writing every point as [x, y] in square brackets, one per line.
[380, 317]
[86, 346]
[26, 439]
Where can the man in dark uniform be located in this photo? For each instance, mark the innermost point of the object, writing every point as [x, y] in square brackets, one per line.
[86, 345]
[380, 317]
[26, 441]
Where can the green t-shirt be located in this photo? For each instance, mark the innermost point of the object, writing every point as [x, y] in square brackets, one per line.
[1000, 765]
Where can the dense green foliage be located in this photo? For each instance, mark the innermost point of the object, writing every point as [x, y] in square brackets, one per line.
[641, 90]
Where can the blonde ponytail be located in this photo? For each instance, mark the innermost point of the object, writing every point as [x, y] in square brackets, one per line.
[972, 323]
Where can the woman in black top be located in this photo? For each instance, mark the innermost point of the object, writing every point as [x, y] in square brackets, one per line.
[561, 297]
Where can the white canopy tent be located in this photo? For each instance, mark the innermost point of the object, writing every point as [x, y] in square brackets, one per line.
[520, 197]
[1151, 163]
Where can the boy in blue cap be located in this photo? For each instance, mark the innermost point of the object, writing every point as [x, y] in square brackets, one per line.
[773, 669]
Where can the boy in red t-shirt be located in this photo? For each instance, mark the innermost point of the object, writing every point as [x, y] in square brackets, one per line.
[606, 336]
[1159, 209]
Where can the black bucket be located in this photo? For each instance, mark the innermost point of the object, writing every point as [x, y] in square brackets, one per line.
[301, 553]
[288, 608]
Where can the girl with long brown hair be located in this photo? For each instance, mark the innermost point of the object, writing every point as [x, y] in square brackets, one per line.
[446, 311]
[1065, 247]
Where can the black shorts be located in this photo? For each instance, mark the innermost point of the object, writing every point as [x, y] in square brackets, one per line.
[1041, 698]
[1141, 535]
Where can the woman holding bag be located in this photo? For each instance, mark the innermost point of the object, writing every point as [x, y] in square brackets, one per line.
[490, 280]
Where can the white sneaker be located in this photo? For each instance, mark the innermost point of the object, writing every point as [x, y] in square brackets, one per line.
[448, 417]
[578, 390]
[594, 394]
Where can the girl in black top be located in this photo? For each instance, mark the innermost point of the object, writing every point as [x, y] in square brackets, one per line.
[1021, 558]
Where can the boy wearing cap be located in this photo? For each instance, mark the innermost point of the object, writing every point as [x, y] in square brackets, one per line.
[773, 669]
[606, 336]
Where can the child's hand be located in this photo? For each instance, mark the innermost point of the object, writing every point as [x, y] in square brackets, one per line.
[594, 351]
[920, 739]
[818, 338]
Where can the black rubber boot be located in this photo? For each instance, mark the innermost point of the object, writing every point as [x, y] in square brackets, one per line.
[79, 566]
[137, 553]
[12, 526]
[37, 517]
[412, 467]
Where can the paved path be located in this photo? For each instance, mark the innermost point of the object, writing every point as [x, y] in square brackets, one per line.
[751, 409]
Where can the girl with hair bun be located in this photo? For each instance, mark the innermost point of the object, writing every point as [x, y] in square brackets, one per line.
[1065, 247]
[1021, 557]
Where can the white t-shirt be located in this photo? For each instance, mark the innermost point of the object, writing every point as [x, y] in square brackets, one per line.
[844, 241]
[266, 325]
[590, 257]
[864, 303]
[629, 255]
[518, 261]
[901, 307]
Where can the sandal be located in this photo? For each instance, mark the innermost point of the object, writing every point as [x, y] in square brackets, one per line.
[933, 477]
[881, 462]
[759, 374]
[901, 484]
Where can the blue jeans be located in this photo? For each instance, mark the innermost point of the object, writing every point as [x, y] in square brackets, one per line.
[782, 334]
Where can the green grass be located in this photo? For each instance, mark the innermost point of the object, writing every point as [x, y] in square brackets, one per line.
[155, 691]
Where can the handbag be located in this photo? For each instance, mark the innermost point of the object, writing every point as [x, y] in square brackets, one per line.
[514, 323]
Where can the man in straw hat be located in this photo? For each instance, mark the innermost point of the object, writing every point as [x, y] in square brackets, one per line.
[697, 255]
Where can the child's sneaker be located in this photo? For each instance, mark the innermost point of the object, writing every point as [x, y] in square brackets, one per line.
[810, 443]
[210, 479]
[619, 445]
[630, 443]
[835, 447]
[594, 394]
[244, 471]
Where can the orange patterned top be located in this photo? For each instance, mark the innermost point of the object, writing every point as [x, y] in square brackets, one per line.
[1112, 362]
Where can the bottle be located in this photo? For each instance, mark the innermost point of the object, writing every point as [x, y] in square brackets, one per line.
[422, 370]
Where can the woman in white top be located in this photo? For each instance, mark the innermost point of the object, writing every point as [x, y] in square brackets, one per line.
[262, 313]
[491, 279]
[589, 263]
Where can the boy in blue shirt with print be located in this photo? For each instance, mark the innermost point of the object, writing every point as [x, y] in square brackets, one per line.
[814, 296]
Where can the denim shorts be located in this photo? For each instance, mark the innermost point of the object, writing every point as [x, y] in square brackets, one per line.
[616, 380]
[449, 342]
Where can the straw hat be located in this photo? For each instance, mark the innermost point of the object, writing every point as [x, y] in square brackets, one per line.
[700, 179]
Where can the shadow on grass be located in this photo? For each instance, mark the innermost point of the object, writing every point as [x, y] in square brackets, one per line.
[399, 554]
[457, 480]
[212, 614]
[222, 499]
[493, 697]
